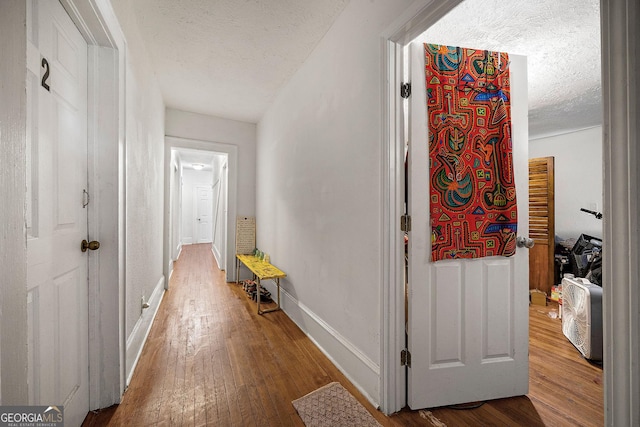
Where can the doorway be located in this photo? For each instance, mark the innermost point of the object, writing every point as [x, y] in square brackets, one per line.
[200, 201]
[416, 20]
[199, 184]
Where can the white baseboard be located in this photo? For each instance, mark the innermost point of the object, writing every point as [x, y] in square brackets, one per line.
[170, 271]
[171, 264]
[355, 365]
[135, 341]
[217, 256]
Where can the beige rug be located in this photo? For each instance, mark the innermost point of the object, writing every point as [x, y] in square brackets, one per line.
[333, 406]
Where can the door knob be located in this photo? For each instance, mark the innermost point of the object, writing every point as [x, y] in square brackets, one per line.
[93, 245]
[525, 242]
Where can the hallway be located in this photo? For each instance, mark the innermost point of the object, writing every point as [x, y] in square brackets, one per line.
[211, 360]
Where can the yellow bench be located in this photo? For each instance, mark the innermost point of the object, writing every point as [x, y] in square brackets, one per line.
[262, 270]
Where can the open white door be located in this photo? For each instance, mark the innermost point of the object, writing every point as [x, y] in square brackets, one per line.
[57, 277]
[220, 217]
[468, 319]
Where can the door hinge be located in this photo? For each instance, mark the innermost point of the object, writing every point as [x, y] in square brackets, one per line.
[85, 198]
[405, 223]
[405, 90]
[405, 358]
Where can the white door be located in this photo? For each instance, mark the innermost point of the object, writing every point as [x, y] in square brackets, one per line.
[204, 210]
[57, 277]
[468, 319]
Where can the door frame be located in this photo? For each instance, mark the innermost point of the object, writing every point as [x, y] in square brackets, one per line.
[621, 220]
[106, 181]
[173, 142]
[97, 24]
[414, 21]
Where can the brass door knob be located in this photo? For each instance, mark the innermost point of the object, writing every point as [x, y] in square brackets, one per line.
[93, 245]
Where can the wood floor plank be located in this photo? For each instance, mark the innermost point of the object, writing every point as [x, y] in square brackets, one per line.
[211, 360]
[245, 406]
[199, 395]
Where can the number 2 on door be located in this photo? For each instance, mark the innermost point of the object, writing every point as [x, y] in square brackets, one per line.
[45, 76]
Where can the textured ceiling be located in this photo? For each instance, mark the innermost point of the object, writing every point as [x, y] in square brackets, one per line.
[228, 58]
[561, 40]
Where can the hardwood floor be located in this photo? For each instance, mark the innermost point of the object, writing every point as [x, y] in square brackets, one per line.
[211, 360]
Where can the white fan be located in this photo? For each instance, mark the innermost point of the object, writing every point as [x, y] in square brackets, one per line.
[582, 316]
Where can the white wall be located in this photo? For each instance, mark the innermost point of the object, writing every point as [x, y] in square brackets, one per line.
[144, 123]
[182, 124]
[13, 243]
[190, 180]
[319, 190]
[578, 179]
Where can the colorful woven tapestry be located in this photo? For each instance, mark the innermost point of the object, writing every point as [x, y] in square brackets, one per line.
[473, 196]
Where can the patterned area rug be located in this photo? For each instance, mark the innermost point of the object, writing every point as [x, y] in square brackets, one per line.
[333, 406]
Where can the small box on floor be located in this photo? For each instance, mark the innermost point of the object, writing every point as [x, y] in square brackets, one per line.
[556, 293]
[537, 297]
